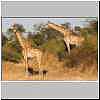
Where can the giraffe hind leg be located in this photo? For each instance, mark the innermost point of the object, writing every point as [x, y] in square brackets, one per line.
[39, 65]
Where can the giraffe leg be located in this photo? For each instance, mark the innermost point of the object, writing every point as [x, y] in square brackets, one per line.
[25, 60]
[67, 41]
[26, 72]
[68, 46]
[26, 64]
[39, 70]
[39, 64]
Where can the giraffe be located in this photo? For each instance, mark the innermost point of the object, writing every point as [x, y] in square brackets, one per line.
[69, 38]
[28, 52]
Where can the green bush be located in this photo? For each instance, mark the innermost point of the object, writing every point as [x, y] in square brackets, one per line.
[9, 56]
[55, 46]
[11, 52]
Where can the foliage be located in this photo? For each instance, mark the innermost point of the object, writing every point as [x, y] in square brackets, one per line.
[18, 27]
[48, 40]
[77, 28]
[52, 41]
[93, 25]
[11, 49]
[67, 25]
[4, 39]
[10, 34]
[52, 46]
[11, 53]
[87, 53]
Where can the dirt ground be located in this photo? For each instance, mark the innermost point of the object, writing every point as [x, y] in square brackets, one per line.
[16, 71]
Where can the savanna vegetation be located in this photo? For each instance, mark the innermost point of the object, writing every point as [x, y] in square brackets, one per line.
[83, 59]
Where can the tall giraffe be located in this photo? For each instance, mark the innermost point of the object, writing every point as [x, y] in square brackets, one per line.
[27, 51]
[69, 38]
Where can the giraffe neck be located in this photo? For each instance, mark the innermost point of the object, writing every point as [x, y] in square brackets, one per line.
[59, 28]
[20, 40]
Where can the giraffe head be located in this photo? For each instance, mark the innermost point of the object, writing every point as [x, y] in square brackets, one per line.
[17, 28]
[14, 28]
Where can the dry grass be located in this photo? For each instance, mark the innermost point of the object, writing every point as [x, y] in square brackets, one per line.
[56, 71]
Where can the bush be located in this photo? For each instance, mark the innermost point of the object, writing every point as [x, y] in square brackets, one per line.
[14, 57]
[11, 53]
[55, 46]
[87, 53]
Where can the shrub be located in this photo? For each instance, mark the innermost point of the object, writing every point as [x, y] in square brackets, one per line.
[11, 53]
[55, 46]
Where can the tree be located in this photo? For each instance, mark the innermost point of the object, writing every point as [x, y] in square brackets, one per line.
[93, 24]
[67, 25]
[12, 45]
[77, 28]
[4, 39]
[18, 27]
[48, 40]
[13, 38]
[38, 27]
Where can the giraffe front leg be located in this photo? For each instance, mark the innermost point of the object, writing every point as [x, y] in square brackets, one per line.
[27, 74]
[68, 46]
[26, 69]
[25, 60]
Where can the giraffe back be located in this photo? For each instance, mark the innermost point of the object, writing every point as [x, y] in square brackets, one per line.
[33, 52]
[74, 40]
